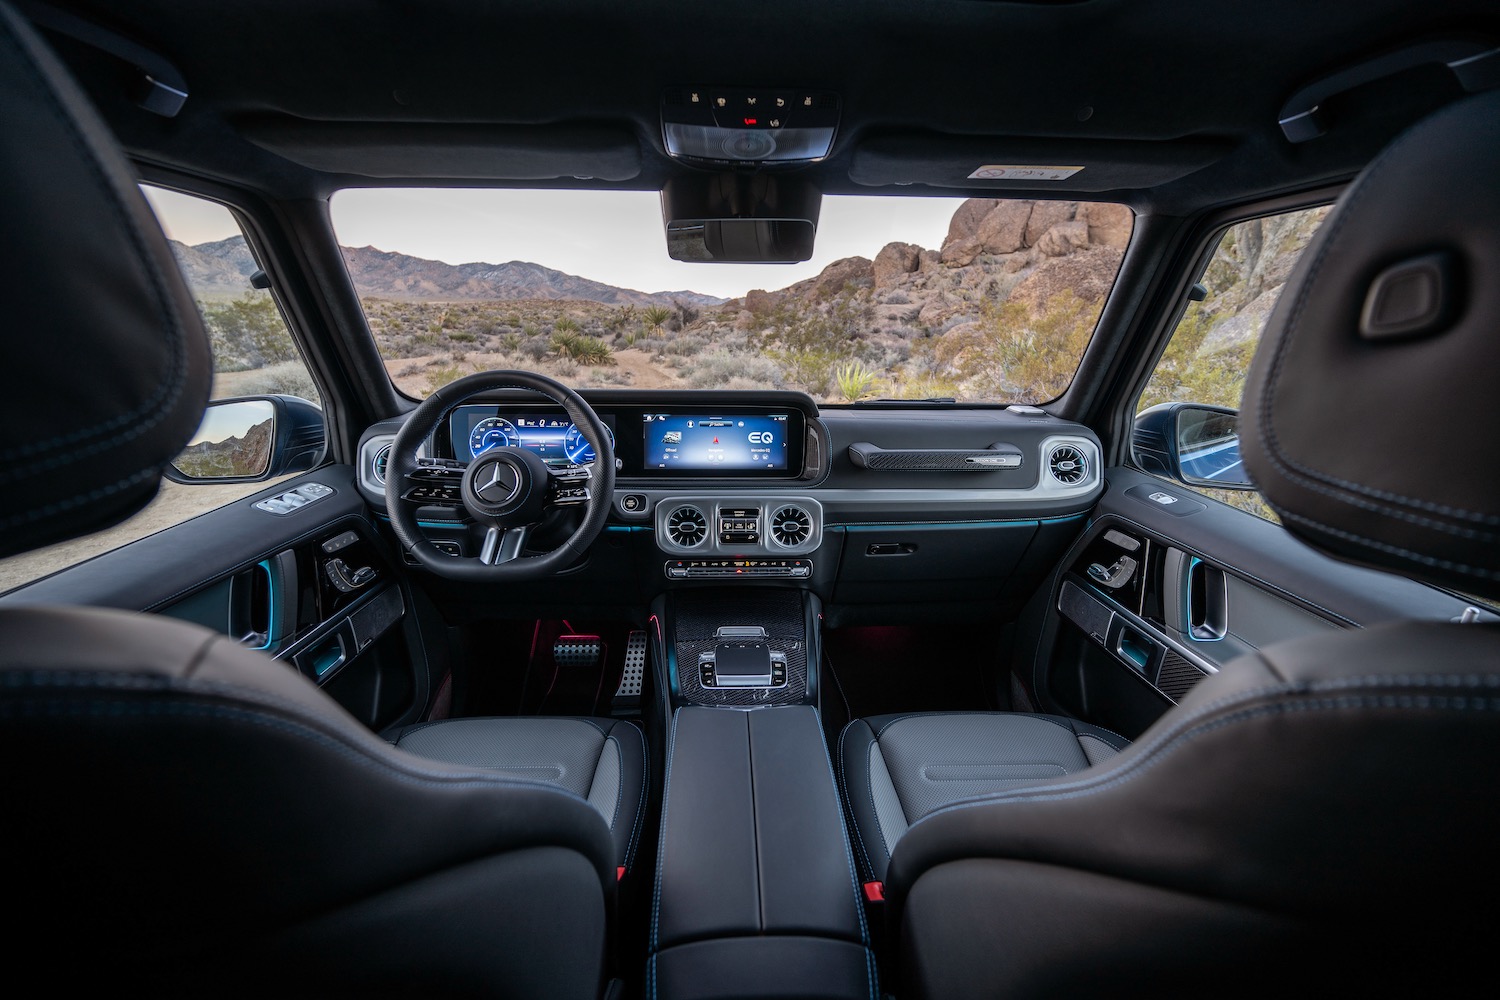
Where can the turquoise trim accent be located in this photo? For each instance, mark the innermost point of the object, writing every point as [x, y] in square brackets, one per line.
[428, 524]
[1188, 603]
[265, 564]
[940, 525]
[327, 660]
[626, 528]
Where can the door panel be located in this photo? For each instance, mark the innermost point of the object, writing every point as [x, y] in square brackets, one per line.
[312, 586]
[1165, 588]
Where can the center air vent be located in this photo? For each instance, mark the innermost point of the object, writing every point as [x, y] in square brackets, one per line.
[1068, 464]
[791, 526]
[382, 459]
[687, 526]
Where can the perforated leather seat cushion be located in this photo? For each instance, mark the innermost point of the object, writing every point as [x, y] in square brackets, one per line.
[895, 769]
[601, 760]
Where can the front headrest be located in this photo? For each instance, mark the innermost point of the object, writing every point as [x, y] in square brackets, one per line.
[104, 356]
[1371, 415]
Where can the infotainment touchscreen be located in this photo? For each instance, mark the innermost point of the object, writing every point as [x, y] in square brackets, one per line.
[701, 442]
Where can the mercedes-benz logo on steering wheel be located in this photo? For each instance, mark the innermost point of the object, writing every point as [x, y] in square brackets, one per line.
[497, 484]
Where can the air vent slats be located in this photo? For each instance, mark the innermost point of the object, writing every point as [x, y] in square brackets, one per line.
[791, 526]
[687, 526]
[1068, 464]
[382, 460]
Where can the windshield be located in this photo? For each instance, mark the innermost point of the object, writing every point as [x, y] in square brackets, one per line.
[904, 298]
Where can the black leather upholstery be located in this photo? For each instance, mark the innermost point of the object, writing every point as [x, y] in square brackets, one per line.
[184, 815]
[1316, 817]
[179, 807]
[755, 893]
[600, 760]
[1420, 498]
[898, 768]
[89, 420]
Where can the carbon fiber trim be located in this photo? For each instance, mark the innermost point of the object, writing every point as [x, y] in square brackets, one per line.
[698, 615]
[1177, 676]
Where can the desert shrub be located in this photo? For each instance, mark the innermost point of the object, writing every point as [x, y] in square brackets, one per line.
[289, 378]
[463, 336]
[685, 346]
[440, 375]
[536, 348]
[1014, 353]
[719, 367]
[247, 332]
[853, 380]
[896, 297]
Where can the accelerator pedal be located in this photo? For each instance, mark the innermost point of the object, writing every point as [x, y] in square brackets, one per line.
[627, 701]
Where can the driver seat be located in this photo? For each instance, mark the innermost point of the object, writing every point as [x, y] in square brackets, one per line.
[187, 815]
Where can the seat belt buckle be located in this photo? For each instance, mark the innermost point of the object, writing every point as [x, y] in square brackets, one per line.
[874, 892]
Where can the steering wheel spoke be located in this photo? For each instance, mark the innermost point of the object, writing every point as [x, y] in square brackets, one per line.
[501, 545]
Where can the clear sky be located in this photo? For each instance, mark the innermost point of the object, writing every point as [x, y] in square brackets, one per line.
[611, 236]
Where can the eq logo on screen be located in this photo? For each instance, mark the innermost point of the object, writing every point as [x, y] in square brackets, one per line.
[762, 437]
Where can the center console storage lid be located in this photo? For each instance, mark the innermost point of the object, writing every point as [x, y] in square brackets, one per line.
[753, 840]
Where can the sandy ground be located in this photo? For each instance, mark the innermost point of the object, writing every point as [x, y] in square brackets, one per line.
[173, 505]
[642, 371]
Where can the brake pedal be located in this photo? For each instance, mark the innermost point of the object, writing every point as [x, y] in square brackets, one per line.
[627, 699]
[577, 651]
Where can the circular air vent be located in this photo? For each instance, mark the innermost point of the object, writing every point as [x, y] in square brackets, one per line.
[686, 526]
[382, 459]
[1068, 464]
[791, 526]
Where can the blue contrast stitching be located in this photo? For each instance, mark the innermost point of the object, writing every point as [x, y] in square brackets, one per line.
[640, 807]
[844, 784]
[859, 904]
[661, 846]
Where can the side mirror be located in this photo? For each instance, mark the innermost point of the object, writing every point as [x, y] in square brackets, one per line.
[251, 438]
[1192, 443]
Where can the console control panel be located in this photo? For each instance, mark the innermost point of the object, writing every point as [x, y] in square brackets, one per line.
[730, 569]
[742, 658]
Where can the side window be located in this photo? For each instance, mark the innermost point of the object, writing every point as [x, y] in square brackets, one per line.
[253, 354]
[1209, 353]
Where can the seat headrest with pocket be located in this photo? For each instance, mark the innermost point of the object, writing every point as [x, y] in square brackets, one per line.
[1371, 416]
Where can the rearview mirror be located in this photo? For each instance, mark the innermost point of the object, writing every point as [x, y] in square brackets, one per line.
[251, 438]
[1193, 443]
[743, 241]
[741, 219]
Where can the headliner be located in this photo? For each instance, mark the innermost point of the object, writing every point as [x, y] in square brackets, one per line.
[1173, 105]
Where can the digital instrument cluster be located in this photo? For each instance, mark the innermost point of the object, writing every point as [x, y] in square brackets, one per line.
[688, 441]
[551, 436]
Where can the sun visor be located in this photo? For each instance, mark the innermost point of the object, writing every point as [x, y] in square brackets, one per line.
[1027, 164]
[423, 150]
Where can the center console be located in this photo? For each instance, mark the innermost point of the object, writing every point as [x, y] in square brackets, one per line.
[756, 893]
[739, 646]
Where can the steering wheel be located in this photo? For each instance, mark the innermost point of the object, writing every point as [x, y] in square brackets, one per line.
[508, 490]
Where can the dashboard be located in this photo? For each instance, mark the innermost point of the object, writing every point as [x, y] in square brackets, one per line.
[686, 440]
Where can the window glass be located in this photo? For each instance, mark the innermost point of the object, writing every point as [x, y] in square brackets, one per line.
[253, 354]
[1209, 354]
[905, 298]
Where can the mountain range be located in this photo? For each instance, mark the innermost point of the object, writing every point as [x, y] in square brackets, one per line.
[223, 268]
